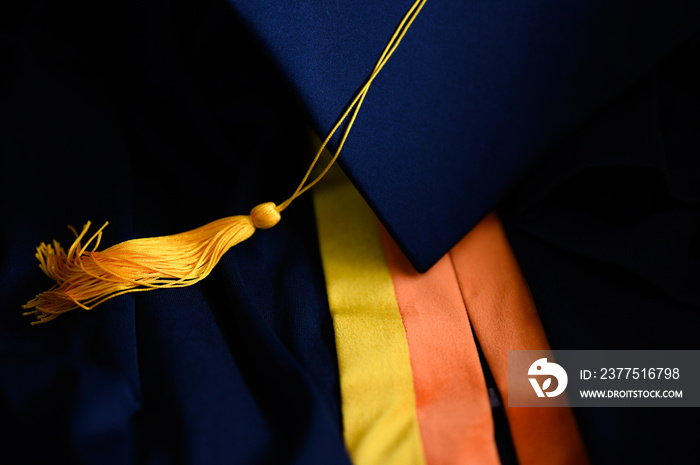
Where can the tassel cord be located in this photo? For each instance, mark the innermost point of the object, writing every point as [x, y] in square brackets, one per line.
[355, 105]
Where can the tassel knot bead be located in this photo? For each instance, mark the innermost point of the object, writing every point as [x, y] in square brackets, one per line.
[265, 215]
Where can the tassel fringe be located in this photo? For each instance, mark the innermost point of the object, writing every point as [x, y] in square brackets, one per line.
[85, 279]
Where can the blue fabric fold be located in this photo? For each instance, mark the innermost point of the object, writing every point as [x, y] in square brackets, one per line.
[158, 117]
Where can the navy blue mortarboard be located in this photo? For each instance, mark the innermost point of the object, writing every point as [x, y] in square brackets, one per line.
[475, 97]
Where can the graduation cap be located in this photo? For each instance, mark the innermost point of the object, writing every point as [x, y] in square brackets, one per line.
[475, 97]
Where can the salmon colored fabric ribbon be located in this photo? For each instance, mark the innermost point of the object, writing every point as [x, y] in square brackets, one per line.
[454, 411]
[504, 318]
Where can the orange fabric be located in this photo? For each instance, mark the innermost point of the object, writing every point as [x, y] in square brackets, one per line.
[504, 318]
[454, 412]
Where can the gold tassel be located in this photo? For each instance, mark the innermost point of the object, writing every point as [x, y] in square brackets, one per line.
[85, 279]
